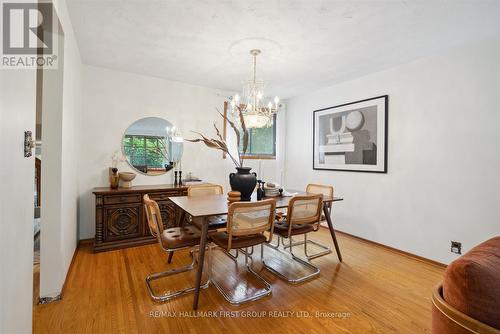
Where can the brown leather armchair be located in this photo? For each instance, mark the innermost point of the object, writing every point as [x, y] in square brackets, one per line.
[468, 300]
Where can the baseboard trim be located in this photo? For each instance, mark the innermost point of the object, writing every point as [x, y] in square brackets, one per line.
[70, 270]
[88, 241]
[59, 296]
[414, 256]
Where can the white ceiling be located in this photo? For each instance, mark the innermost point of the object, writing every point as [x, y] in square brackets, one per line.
[306, 44]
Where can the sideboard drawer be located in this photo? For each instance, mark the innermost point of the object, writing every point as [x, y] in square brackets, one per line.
[161, 196]
[121, 199]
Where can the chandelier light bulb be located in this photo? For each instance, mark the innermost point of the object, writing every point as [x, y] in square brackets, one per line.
[269, 105]
[237, 98]
[259, 95]
[276, 99]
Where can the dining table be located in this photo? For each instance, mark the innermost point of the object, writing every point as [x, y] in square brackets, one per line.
[201, 208]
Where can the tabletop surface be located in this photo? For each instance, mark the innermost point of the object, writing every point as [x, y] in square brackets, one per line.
[213, 205]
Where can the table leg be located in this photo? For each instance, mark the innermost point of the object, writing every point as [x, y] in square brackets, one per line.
[327, 210]
[201, 258]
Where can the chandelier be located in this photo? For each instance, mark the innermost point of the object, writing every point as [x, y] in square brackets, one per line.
[256, 110]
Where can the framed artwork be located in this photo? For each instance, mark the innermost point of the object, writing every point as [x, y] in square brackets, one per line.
[352, 136]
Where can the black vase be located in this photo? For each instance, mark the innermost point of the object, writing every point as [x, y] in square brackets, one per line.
[244, 182]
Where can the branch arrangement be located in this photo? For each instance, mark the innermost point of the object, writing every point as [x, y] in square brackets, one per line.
[220, 144]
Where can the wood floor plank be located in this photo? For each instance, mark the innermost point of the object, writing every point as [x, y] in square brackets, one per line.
[376, 289]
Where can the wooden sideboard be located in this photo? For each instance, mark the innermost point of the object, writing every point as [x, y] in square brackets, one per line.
[120, 220]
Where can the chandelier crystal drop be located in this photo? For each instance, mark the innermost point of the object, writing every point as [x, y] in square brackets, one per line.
[257, 111]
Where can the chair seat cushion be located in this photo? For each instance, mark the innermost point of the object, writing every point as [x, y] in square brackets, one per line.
[178, 237]
[281, 228]
[222, 239]
[472, 283]
[214, 223]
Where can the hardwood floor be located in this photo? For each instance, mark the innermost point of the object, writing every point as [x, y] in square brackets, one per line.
[375, 290]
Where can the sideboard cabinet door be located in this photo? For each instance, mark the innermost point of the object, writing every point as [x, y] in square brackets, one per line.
[120, 219]
[122, 222]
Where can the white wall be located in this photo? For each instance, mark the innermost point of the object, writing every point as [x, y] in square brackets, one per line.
[113, 100]
[444, 163]
[59, 228]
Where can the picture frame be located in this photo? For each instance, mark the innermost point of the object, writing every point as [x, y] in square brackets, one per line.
[352, 137]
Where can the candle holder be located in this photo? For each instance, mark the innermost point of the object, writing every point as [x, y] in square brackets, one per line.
[113, 178]
[260, 192]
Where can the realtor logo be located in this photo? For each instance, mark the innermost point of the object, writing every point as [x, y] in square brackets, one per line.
[28, 35]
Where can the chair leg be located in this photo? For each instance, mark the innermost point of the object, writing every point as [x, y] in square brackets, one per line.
[231, 256]
[174, 294]
[170, 256]
[245, 251]
[298, 280]
[275, 246]
[326, 249]
[266, 291]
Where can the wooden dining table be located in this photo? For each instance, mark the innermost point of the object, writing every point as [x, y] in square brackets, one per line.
[200, 208]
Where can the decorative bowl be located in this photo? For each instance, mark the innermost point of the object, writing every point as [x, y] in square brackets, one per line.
[126, 178]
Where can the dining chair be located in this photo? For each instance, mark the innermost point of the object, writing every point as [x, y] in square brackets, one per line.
[326, 191]
[246, 224]
[214, 222]
[303, 216]
[205, 190]
[170, 240]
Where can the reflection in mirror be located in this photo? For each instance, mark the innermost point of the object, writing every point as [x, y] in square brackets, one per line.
[152, 145]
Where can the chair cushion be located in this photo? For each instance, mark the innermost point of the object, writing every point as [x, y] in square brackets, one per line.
[472, 283]
[281, 228]
[178, 237]
[214, 223]
[222, 238]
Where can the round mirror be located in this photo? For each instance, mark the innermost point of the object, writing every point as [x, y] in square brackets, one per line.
[152, 145]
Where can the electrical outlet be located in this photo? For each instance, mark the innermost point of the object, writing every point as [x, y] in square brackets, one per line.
[456, 247]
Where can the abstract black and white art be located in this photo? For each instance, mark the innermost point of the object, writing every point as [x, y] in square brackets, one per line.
[352, 136]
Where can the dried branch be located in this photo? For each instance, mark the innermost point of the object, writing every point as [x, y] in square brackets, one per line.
[245, 135]
[235, 128]
[216, 144]
[220, 143]
[218, 132]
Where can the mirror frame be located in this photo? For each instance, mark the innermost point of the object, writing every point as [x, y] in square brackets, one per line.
[167, 168]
